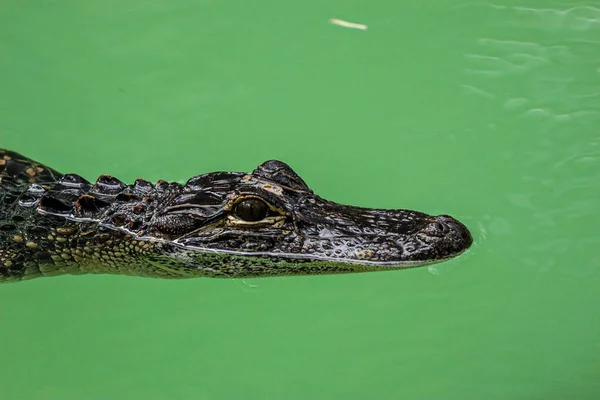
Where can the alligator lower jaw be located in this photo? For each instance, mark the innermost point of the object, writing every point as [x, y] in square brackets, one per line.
[232, 264]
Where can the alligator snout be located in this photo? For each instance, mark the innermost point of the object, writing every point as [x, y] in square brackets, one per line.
[450, 230]
[440, 237]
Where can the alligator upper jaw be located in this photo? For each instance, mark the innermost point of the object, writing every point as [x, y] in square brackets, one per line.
[362, 239]
[378, 237]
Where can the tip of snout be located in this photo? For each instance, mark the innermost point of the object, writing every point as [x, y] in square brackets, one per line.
[454, 230]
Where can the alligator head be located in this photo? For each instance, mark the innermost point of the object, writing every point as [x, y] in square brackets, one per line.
[270, 222]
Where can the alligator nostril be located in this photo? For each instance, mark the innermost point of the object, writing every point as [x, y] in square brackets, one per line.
[441, 227]
[453, 230]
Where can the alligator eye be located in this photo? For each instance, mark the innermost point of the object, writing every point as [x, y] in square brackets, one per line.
[251, 210]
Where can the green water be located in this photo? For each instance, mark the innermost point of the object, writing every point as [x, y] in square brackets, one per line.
[487, 112]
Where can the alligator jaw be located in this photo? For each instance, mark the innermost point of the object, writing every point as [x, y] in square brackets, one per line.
[322, 237]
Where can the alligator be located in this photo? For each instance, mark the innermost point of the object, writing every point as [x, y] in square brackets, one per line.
[219, 224]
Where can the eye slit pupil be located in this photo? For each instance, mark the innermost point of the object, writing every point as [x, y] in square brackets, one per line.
[251, 210]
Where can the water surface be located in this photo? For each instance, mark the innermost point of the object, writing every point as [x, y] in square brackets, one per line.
[488, 112]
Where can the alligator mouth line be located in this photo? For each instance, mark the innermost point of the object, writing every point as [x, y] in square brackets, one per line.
[391, 264]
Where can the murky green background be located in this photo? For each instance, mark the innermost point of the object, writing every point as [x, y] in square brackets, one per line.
[488, 112]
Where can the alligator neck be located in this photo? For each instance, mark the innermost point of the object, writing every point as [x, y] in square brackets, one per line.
[49, 246]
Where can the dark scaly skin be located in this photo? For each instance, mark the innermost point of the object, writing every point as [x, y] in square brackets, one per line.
[53, 224]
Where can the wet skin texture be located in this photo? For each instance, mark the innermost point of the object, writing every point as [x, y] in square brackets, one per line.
[221, 224]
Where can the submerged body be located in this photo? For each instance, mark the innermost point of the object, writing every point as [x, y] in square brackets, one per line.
[221, 224]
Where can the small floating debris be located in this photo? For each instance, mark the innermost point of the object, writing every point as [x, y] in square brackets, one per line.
[347, 24]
